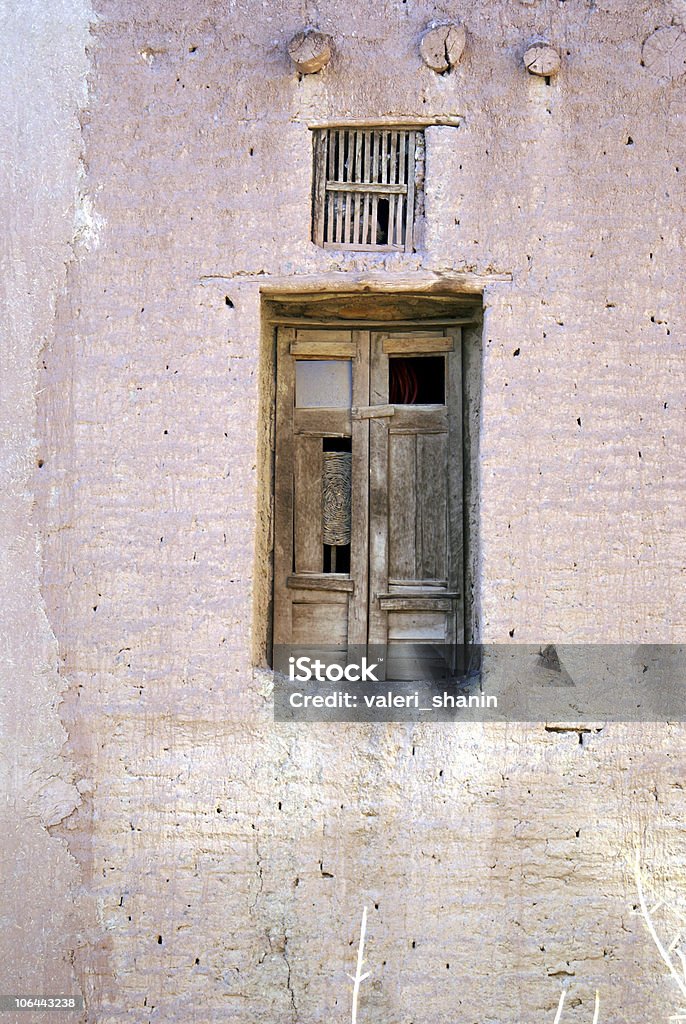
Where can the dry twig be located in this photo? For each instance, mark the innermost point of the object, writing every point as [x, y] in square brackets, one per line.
[359, 977]
[596, 1011]
[647, 913]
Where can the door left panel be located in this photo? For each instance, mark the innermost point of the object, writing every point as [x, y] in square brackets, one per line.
[319, 535]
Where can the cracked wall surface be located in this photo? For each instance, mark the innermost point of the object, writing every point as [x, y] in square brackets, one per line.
[225, 860]
[43, 73]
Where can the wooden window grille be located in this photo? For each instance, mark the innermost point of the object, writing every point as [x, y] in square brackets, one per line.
[365, 186]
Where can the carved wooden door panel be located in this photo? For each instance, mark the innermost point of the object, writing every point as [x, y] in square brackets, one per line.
[368, 491]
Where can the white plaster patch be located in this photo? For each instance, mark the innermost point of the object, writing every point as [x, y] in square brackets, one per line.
[57, 801]
[88, 224]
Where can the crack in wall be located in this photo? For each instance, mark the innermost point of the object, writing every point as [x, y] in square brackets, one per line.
[289, 985]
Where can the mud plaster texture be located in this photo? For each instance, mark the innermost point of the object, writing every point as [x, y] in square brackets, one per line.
[223, 860]
[43, 68]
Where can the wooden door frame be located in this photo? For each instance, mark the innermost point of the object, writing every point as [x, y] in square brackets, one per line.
[391, 305]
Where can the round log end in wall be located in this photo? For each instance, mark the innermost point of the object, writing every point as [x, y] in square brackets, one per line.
[664, 53]
[541, 59]
[442, 46]
[310, 51]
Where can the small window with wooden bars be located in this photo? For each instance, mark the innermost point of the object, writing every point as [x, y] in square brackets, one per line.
[365, 187]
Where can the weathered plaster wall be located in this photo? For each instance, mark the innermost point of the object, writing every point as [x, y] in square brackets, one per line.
[228, 859]
[43, 73]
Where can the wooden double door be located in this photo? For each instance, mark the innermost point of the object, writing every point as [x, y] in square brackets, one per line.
[368, 491]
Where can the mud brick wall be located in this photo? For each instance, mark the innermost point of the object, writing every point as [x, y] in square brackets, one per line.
[215, 864]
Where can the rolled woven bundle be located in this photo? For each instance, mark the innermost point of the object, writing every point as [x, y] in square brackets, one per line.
[336, 498]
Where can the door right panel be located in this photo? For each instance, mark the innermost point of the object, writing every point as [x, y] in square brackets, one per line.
[415, 554]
